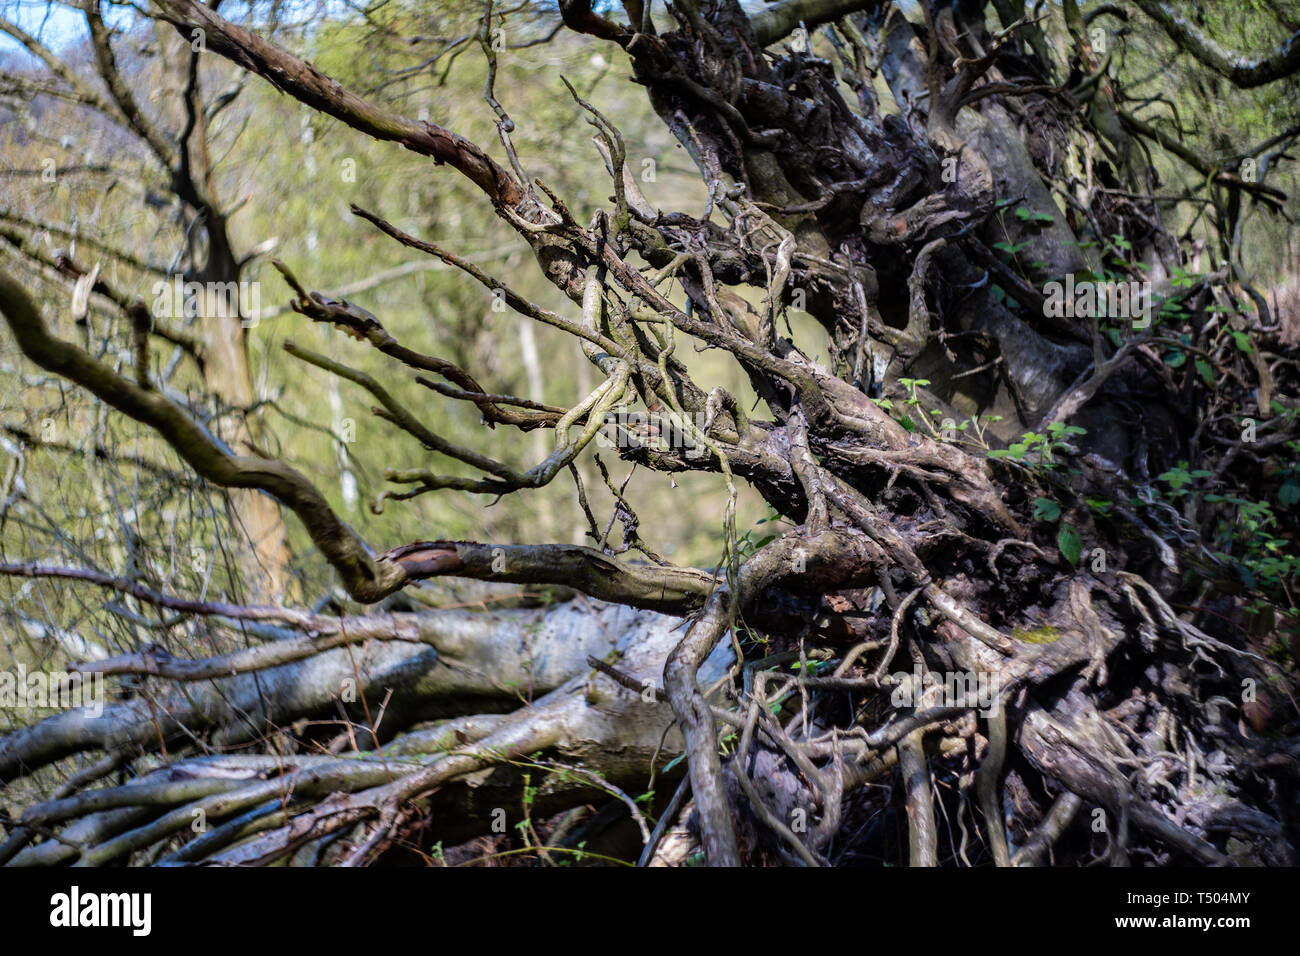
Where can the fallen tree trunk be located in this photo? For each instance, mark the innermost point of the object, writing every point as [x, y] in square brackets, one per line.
[1030, 605]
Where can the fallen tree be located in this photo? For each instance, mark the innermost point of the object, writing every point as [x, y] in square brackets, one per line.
[980, 483]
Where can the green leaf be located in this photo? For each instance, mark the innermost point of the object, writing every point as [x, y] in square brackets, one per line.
[1207, 373]
[1288, 494]
[1176, 477]
[1045, 509]
[1243, 341]
[1070, 544]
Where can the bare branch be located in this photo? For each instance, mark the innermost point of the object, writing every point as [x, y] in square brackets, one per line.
[1242, 72]
[304, 82]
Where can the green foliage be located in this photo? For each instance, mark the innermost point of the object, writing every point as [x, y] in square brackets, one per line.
[1179, 478]
[1045, 509]
[750, 542]
[1038, 450]
[1069, 544]
[1025, 214]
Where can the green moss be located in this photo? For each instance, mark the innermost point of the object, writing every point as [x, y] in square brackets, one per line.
[1037, 635]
